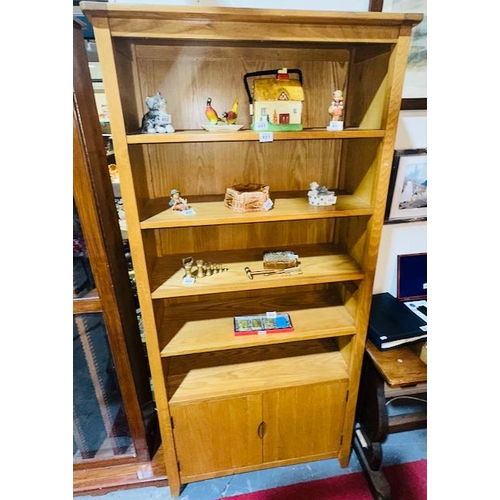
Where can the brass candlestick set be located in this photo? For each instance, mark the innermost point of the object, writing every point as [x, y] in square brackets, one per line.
[200, 268]
[282, 262]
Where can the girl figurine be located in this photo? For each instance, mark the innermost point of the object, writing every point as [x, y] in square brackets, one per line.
[176, 202]
[336, 111]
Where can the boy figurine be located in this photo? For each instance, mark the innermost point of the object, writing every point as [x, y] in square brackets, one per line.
[336, 111]
[176, 202]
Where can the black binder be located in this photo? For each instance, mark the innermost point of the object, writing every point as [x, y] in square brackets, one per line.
[392, 324]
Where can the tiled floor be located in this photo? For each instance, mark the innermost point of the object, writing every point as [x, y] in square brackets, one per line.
[398, 448]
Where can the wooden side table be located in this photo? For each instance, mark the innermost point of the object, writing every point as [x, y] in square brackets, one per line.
[386, 375]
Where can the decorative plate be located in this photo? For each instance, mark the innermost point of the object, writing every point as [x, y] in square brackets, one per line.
[222, 128]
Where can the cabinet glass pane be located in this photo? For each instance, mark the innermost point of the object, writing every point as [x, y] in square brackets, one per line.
[100, 427]
[83, 280]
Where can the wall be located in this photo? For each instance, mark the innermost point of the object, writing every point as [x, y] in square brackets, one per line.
[408, 237]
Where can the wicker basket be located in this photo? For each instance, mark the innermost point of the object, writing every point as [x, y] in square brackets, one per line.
[247, 198]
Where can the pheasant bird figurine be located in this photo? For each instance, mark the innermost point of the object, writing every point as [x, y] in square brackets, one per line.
[211, 114]
[230, 116]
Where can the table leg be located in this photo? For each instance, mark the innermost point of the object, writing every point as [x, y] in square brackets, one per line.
[371, 429]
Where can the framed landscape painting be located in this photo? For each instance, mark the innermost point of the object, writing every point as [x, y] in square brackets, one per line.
[415, 84]
[407, 198]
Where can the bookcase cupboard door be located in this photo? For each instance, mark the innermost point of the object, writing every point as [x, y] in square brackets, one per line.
[217, 435]
[304, 421]
[281, 426]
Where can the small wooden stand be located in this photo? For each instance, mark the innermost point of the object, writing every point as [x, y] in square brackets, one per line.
[385, 375]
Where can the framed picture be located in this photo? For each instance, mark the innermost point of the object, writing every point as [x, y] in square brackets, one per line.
[407, 199]
[415, 84]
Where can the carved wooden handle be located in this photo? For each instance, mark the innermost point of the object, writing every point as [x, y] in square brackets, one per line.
[261, 430]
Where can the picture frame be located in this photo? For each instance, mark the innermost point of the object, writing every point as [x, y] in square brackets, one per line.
[412, 276]
[415, 84]
[407, 197]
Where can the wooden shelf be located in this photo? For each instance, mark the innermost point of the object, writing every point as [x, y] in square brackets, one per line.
[284, 209]
[217, 334]
[223, 375]
[318, 264]
[250, 135]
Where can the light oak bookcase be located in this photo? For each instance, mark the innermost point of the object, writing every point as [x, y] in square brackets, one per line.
[230, 404]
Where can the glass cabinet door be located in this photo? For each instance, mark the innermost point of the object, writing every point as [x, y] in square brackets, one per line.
[115, 422]
[100, 427]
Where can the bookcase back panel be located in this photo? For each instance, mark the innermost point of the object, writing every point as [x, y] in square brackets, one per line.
[186, 76]
[187, 79]
[210, 168]
[270, 236]
[204, 171]
[251, 301]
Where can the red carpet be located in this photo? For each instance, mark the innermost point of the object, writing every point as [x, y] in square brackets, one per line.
[408, 482]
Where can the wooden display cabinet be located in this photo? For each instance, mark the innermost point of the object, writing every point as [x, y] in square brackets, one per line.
[115, 424]
[229, 404]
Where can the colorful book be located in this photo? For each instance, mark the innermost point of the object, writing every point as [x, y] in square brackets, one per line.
[262, 324]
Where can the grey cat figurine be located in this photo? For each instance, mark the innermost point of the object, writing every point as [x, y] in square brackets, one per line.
[156, 120]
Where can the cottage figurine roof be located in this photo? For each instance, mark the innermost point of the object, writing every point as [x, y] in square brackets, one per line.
[269, 89]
